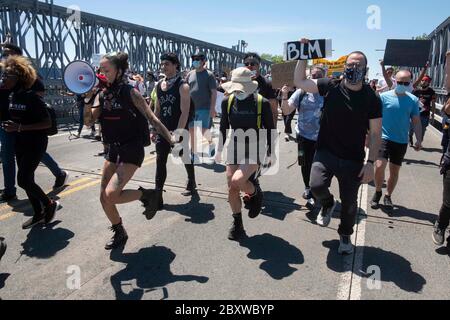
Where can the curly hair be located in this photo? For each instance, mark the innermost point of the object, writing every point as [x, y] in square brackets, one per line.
[22, 68]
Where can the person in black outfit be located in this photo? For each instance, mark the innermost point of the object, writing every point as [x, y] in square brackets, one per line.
[2, 247]
[29, 118]
[351, 110]
[175, 110]
[244, 111]
[123, 116]
[443, 221]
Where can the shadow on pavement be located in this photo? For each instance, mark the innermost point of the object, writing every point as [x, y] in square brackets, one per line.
[400, 211]
[3, 278]
[44, 242]
[421, 162]
[277, 253]
[194, 211]
[217, 168]
[281, 208]
[436, 150]
[150, 269]
[394, 268]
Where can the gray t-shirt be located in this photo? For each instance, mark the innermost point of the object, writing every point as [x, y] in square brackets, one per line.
[309, 114]
[201, 84]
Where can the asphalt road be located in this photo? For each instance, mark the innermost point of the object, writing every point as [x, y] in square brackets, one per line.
[184, 253]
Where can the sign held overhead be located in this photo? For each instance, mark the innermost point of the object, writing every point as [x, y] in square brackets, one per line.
[315, 49]
[407, 53]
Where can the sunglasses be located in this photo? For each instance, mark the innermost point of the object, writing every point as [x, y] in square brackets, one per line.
[197, 59]
[403, 83]
[250, 64]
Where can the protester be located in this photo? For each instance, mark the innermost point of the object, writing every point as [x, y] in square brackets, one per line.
[309, 107]
[123, 117]
[427, 98]
[29, 119]
[400, 108]
[174, 108]
[351, 109]
[248, 112]
[443, 221]
[203, 91]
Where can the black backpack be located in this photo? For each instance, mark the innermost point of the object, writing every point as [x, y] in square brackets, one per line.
[54, 128]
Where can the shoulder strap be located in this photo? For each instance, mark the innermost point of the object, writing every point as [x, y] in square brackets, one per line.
[260, 102]
[230, 103]
[300, 99]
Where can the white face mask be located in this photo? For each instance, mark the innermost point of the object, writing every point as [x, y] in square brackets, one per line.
[241, 95]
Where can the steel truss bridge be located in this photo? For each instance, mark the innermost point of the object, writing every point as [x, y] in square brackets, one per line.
[53, 36]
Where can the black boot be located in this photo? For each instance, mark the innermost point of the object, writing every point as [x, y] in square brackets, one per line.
[152, 201]
[237, 231]
[119, 238]
[255, 203]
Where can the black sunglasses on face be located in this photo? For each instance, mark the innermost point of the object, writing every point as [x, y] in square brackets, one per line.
[250, 64]
[403, 83]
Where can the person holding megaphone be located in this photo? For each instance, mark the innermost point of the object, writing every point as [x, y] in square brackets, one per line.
[123, 115]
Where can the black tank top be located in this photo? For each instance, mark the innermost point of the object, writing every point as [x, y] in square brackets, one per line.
[170, 105]
[119, 117]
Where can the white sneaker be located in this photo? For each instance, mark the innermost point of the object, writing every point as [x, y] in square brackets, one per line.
[324, 217]
[345, 245]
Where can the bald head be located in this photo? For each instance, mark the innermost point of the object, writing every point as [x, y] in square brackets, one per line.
[403, 76]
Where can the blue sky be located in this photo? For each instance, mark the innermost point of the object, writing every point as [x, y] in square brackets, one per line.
[266, 25]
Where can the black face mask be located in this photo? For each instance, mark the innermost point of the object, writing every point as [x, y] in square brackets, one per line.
[355, 75]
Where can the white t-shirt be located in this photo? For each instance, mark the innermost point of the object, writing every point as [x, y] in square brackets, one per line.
[383, 87]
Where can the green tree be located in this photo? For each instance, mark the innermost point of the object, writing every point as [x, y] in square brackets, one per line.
[422, 37]
[272, 58]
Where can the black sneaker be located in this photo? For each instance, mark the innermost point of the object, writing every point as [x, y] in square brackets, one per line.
[375, 203]
[119, 239]
[191, 189]
[7, 198]
[237, 229]
[61, 180]
[438, 235]
[37, 219]
[2, 247]
[255, 204]
[49, 212]
[152, 201]
[307, 194]
[388, 203]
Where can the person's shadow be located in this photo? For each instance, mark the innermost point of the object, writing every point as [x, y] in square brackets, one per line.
[393, 267]
[421, 162]
[3, 278]
[400, 211]
[277, 253]
[194, 211]
[44, 242]
[217, 168]
[278, 206]
[150, 268]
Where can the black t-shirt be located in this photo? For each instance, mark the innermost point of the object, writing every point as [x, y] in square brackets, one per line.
[28, 108]
[119, 117]
[345, 118]
[170, 105]
[426, 97]
[265, 88]
[38, 86]
[244, 115]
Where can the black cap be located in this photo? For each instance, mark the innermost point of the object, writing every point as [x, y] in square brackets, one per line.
[199, 54]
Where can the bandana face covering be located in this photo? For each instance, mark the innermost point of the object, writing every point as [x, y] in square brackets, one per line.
[354, 75]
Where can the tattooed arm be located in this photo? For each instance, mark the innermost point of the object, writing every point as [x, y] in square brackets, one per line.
[143, 107]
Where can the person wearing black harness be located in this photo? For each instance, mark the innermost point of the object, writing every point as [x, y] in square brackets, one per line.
[443, 221]
[123, 116]
[29, 119]
[246, 113]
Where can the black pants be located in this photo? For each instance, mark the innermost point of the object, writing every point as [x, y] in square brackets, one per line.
[444, 215]
[162, 154]
[309, 149]
[288, 122]
[325, 167]
[28, 156]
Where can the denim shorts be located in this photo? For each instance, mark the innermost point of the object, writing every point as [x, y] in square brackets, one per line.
[202, 117]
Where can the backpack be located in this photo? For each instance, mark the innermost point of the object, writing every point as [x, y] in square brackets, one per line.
[54, 128]
[259, 105]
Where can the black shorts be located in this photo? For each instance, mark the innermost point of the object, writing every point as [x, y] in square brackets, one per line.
[131, 153]
[392, 151]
